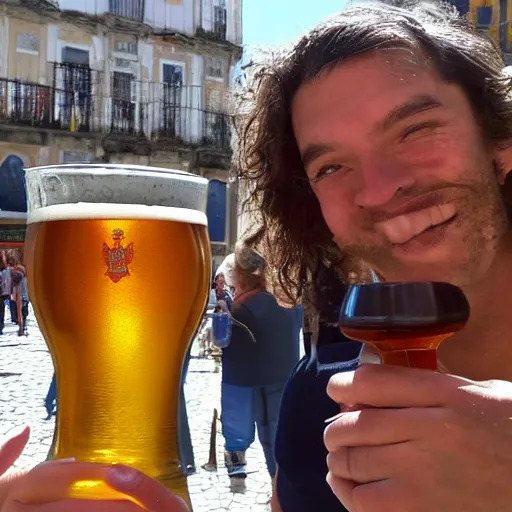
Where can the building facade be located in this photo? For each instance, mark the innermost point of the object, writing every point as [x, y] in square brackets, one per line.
[121, 81]
[493, 17]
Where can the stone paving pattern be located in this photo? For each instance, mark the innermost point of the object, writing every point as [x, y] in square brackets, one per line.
[25, 374]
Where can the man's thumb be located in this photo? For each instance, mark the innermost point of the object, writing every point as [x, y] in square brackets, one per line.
[11, 449]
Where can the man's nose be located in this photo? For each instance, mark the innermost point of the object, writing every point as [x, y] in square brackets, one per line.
[382, 180]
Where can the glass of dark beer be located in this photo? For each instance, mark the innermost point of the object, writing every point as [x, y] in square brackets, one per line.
[405, 322]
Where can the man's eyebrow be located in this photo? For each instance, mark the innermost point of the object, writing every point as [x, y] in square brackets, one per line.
[413, 106]
[314, 151]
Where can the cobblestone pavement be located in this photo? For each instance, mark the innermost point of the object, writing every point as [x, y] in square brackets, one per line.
[25, 374]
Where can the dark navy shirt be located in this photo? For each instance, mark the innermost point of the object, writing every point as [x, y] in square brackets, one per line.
[300, 450]
[270, 357]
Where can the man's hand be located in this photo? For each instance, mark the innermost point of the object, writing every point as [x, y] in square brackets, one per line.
[9, 454]
[44, 489]
[420, 441]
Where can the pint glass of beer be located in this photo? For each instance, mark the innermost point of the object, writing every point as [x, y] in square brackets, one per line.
[118, 264]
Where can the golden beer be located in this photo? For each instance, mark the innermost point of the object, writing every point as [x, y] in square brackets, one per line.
[118, 290]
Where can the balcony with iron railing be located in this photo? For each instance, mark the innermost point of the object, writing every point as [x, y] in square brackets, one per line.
[131, 9]
[220, 23]
[218, 31]
[42, 106]
[176, 127]
[160, 113]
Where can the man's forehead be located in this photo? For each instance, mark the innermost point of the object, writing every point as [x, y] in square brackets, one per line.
[384, 76]
[401, 62]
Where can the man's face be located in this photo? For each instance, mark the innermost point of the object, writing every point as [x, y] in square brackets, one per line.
[400, 168]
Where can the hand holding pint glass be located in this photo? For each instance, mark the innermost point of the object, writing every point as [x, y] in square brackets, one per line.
[405, 322]
[119, 267]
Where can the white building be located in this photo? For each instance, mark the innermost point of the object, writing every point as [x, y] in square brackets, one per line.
[122, 81]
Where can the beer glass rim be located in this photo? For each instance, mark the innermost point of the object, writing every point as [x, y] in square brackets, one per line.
[119, 169]
[115, 184]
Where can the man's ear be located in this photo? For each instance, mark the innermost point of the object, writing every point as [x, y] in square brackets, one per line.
[504, 161]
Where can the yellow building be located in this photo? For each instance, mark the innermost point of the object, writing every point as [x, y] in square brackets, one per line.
[120, 81]
[493, 17]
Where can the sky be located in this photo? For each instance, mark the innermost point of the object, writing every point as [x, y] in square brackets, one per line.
[276, 22]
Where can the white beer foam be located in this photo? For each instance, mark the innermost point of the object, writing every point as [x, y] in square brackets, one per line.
[107, 211]
[77, 183]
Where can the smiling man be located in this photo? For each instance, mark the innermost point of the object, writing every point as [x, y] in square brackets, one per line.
[400, 165]
[383, 141]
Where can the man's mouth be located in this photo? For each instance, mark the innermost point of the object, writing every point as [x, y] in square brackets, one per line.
[403, 228]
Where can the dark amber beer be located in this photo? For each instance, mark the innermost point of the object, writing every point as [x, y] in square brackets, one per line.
[405, 322]
[118, 289]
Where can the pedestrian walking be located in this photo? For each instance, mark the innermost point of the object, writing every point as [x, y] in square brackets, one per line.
[5, 289]
[256, 364]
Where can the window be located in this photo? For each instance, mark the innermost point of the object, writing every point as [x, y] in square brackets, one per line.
[133, 9]
[215, 67]
[126, 47]
[122, 63]
[220, 22]
[122, 86]
[74, 89]
[123, 102]
[172, 78]
[172, 74]
[216, 130]
[71, 55]
[75, 78]
[75, 70]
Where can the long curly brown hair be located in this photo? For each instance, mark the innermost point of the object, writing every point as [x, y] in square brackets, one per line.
[287, 223]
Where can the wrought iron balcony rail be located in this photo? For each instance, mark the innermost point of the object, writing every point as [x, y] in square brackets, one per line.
[43, 106]
[133, 9]
[155, 111]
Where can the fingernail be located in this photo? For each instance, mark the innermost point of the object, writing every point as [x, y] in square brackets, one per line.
[62, 461]
[55, 462]
[334, 418]
[17, 431]
[123, 478]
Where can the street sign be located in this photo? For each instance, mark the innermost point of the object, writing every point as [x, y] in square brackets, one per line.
[12, 233]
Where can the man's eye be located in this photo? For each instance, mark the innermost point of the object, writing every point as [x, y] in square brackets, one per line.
[419, 128]
[327, 170]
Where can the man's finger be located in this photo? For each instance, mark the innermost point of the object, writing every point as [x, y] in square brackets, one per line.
[12, 448]
[52, 481]
[366, 464]
[153, 495]
[343, 490]
[69, 505]
[381, 496]
[374, 427]
[394, 386]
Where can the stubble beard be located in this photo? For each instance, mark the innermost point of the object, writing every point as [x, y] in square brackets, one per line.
[482, 225]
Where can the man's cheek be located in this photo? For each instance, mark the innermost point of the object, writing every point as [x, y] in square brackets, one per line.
[335, 211]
